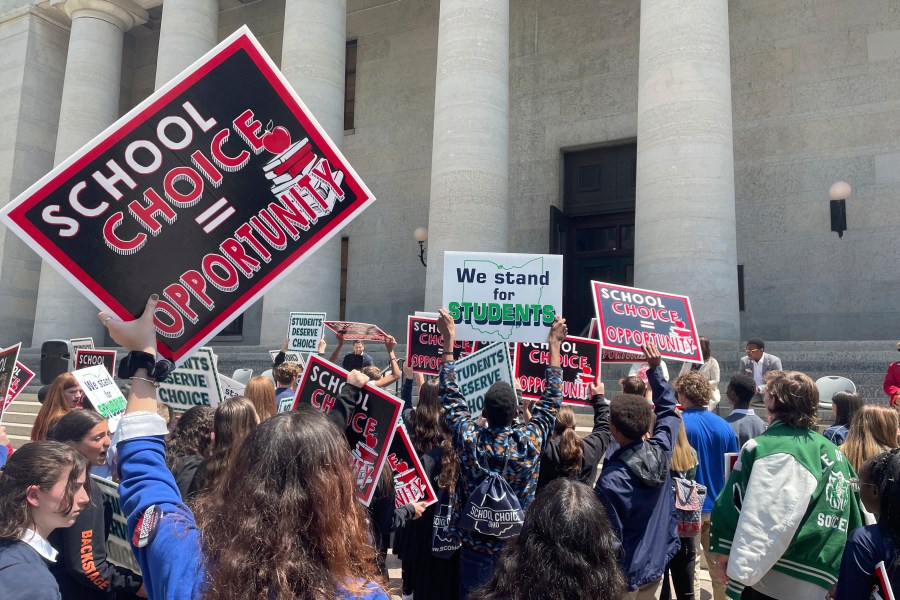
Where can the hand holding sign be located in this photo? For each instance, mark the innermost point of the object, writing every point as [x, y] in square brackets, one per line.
[447, 328]
[139, 334]
[653, 356]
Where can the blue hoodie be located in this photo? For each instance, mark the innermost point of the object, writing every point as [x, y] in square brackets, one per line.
[636, 488]
[171, 561]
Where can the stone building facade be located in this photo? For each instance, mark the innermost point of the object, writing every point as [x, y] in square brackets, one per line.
[683, 145]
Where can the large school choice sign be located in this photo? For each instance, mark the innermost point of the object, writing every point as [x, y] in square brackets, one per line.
[424, 345]
[502, 297]
[411, 483]
[208, 193]
[8, 358]
[305, 331]
[370, 428]
[118, 546]
[480, 370]
[580, 362]
[630, 317]
[194, 383]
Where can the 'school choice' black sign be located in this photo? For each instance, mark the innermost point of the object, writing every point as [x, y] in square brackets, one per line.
[91, 358]
[424, 344]
[21, 377]
[580, 362]
[370, 428]
[207, 193]
[630, 317]
[411, 483]
[613, 356]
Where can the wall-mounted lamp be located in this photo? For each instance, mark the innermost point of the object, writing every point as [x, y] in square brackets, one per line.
[420, 235]
[839, 192]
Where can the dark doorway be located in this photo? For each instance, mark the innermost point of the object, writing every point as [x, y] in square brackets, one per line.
[595, 229]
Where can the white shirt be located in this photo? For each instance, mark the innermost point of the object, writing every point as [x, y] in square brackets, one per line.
[757, 374]
[741, 411]
[40, 545]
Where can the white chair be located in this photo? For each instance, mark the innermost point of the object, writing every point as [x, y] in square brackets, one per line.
[242, 375]
[830, 385]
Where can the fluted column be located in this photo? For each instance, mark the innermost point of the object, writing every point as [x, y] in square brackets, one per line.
[90, 103]
[469, 158]
[312, 59]
[189, 29]
[685, 214]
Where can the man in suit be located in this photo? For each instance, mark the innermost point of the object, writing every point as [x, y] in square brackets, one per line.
[756, 364]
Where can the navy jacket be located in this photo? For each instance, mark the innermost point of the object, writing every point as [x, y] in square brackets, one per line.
[24, 574]
[635, 486]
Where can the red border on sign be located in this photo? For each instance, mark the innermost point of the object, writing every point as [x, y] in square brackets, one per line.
[365, 496]
[430, 497]
[10, 396]
[241, 43]
[409, 336]
[595, 288]
[573, 338]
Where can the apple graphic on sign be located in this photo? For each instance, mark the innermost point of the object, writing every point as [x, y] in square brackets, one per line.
[277, 139]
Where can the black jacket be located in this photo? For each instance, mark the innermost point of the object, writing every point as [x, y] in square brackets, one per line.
[81, 569]
[594, 444]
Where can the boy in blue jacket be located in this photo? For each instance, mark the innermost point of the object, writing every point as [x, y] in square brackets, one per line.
[635, 485]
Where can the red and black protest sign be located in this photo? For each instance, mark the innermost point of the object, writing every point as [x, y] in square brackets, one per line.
[357, 331]
[8, 363]
[92, 358]
[630, 317]
[370, 427]
[613, 356]
[411, 483]
[580, 362]
[207, 193]
[21, 377]
[424, 345]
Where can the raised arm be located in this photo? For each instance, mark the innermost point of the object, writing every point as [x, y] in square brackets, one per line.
[667, 420]
[387, 380]
[337, 350]
[600, 435]
[456, 411]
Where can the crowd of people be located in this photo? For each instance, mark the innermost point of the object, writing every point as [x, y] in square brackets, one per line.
[257, 498]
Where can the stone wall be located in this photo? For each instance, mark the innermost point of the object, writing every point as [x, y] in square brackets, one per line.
[816, 96]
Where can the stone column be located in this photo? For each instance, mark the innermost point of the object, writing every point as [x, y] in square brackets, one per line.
[469, 158]
[189, 29]
[313, 55]
[90, 103]
[685, 219]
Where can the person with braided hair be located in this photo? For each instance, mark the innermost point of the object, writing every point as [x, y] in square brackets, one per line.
[879, 489]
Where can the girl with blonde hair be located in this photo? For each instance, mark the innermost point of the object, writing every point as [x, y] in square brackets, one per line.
[872, 432]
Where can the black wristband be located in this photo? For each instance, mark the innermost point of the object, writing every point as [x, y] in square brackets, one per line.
[158, 370]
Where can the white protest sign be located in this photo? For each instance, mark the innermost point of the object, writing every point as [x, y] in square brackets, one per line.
[102, 392]
[305, 331]
[289, 356]
[230, 387]
[194, 383]
[479, 371]
[503, 297]
[118, 546]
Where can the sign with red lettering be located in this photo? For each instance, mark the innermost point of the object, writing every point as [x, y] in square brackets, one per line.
[424, 344]
[357, 331]
[580, 362]
[21, 377]
[370, 425]
[411, 483]
[613, 356]
[8, 358]
[208, 193]
[92, 358]
[630, 317]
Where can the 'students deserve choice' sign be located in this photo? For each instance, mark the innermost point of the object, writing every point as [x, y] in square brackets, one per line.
[207, 193]
[195, 383]
[479, 371]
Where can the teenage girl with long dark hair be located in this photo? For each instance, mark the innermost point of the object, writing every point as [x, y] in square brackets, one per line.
[286, 523]
[82, 569]
[42, 488]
